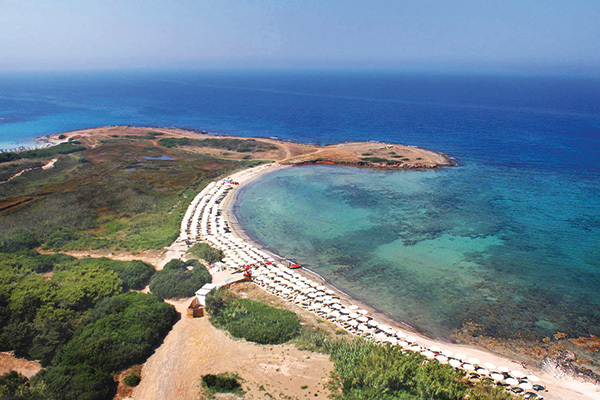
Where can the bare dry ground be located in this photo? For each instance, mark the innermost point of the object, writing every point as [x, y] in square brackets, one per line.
[194, 348]
[8, 362]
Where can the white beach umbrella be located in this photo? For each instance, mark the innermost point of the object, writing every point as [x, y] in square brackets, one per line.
[517, 374]
[363, 327]
[415, 347]
[411, 339]
[321, 287]
[353, 307]
[344, 310]
[336, 314]
[448, 353]
[428, 354]
[330, 292]
[354, 315]
[373, 323]
[401, 334]
[490, 366]
[362, 311]
[389, 330]
[474, 360]
[496, 376]
[512, 382]
[441, 358]
[454, 363]
[392, 340]
[435, 349]
[482, 371]
[525, 385]
[353, 322]
[363, 319]
[504, 369]
[533, 378]
[381, 337]
[468, 367]
[460, 356]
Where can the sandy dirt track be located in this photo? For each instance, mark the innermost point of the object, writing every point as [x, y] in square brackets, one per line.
[194, 348]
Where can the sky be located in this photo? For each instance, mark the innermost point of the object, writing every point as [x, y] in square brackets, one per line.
[529, 35]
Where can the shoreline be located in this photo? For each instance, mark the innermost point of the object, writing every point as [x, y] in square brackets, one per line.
[559, 385]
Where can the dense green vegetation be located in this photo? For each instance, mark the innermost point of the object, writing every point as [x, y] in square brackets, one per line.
[108, 196]
[76, 319]
[175, 280]
[222, 383]
[251, 320]
[205, 252]
[239, 145]
[40, 314]
[63, 148]
[134, 274]
[122, 331]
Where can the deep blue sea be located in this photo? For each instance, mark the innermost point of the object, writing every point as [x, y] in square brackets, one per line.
[509, 239]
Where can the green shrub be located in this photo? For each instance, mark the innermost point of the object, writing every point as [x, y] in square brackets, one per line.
[134, 274]
[59, 237]
[18, 241]
[174, 142]
[251, 320]
[375, 160]
[123, 331]
[176, 281]
[13, 384]
[132, 380]
[205, 252]
[62, 148]
[79, 382]
[8, 156]
[222, 383]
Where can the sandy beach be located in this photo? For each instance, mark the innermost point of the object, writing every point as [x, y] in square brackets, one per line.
[558, 385]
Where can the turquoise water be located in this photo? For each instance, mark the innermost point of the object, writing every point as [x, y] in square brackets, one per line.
[436, 249]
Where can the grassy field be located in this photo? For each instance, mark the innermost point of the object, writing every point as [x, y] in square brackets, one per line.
[122, 194]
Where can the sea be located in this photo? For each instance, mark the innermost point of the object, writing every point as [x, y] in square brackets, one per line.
[506, 244]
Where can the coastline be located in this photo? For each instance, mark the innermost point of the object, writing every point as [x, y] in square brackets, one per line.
[559, 385]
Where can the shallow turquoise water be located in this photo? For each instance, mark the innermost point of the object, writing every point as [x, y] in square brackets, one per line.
[440, 248]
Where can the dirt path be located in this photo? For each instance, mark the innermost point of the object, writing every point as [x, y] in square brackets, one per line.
[194, 348]
[8, 362]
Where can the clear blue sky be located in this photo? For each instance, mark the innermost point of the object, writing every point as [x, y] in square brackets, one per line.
[529, 35]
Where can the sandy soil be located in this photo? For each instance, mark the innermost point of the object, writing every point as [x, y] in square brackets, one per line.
[8, 362]
[194, 348]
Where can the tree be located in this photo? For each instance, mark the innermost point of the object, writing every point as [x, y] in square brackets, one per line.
[79, 382]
